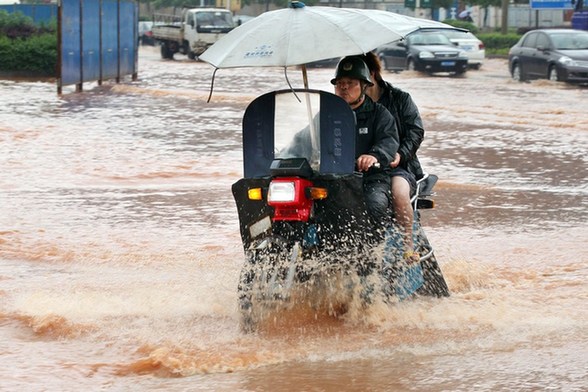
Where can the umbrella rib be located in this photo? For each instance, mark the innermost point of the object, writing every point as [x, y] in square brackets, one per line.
[212, 85]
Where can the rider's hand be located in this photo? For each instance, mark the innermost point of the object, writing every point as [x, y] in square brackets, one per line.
[396, 161]
[365, 162]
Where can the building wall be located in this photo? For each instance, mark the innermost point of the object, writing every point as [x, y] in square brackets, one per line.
[518, 15]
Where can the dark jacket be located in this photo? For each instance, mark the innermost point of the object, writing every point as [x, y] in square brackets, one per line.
[409, 123]
[377, 133]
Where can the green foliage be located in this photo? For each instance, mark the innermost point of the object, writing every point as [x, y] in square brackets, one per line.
[8, 19]
[38, 54]
[16, 24]
[48, 27]
[462, 25]
[26, 47]
[498, 44]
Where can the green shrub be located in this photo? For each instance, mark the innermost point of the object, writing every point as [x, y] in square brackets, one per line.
[14, 25]
[461, 24]
[498, 44]
[25, 46]
[37, 54]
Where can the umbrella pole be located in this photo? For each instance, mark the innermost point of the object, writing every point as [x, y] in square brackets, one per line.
[304, 76]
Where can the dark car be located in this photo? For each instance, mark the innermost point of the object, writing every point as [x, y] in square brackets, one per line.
[554, 54]
[424, 51]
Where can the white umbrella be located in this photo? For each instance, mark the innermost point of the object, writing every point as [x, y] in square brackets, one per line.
[302, 34]
[298, 35]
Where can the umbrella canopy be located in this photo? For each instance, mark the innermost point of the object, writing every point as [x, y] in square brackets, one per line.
[301, 34]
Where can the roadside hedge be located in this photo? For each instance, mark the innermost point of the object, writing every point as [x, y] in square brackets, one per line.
[27, 47]
[498, 44]
[37, 54]
[462, 24]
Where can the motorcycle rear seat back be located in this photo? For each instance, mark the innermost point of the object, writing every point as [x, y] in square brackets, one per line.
[426, 185]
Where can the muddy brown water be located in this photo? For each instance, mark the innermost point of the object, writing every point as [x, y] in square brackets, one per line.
[120, 248]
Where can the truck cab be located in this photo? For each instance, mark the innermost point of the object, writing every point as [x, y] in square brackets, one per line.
[192, 32]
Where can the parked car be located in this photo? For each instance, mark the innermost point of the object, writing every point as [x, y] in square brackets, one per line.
[554, 54]
[470, 44]
[424, 51]
[145, 33]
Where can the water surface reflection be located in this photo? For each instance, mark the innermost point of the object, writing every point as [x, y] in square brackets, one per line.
[120, 249]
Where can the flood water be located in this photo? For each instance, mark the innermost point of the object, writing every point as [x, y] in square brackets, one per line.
[120, 248]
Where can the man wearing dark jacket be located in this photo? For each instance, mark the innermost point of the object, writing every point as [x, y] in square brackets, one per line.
[376, 140]
[406, 166]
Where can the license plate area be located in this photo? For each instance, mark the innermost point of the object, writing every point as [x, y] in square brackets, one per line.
[261, 226]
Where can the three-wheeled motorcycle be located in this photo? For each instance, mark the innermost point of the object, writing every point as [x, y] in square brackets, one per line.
[302, 214]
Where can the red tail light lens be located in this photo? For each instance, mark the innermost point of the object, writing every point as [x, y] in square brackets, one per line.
[288, 198]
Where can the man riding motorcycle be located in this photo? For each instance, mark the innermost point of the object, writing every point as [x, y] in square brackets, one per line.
[376, 139]
[313, 205]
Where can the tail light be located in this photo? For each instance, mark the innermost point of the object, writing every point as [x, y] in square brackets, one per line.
[293, 198]
[288, 197]
[481, 45]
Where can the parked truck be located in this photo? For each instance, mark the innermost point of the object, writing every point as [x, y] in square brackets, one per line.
[192, 31]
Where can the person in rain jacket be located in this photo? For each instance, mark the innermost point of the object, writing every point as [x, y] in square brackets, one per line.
[376, 140]
[406, 166]
[465, 15]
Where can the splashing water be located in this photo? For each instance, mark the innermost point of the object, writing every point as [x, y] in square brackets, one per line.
[120, 250]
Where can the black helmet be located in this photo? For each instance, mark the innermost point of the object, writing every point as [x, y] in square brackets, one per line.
[352, 67]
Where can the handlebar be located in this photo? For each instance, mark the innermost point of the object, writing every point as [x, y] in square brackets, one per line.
[373, 168]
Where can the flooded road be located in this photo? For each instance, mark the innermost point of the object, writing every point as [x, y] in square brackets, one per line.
[120, 248]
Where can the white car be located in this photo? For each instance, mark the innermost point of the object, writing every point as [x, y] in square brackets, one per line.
[470, 44]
